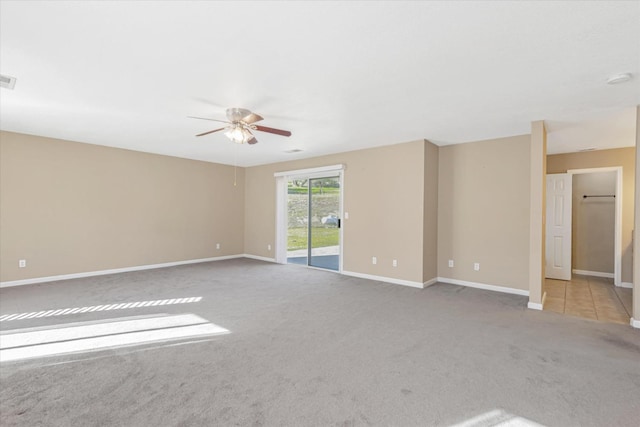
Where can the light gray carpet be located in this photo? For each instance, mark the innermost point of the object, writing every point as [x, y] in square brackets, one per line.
[309, 347]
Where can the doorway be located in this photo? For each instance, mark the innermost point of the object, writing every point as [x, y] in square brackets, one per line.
[584, 210]
[597, 222]
[594, 223]
[590, 229]
[309, 218]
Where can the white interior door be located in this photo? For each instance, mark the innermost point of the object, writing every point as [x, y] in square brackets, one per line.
[558, 233]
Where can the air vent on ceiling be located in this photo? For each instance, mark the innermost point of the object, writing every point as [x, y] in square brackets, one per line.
[293, 150]
[7, 81]
[588, 149]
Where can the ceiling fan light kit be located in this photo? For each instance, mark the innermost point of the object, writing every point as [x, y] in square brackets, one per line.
[238, 134]
[240, 124]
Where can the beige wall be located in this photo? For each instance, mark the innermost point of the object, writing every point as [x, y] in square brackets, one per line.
[383, 194]
[593, 222]
[430, 241]
[483, 212]
[68, 207]
[625, 157]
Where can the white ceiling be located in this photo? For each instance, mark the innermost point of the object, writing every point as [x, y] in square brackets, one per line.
[340, 75]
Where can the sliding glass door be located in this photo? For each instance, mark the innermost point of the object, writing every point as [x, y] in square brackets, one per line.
[297, 221]
[324, 226]
[313, 229]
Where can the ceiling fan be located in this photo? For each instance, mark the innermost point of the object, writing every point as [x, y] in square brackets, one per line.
[240, 123]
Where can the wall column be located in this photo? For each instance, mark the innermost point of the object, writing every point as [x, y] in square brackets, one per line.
[635, 315]
[538, 172]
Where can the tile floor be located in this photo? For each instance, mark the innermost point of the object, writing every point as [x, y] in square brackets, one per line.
[590, 297]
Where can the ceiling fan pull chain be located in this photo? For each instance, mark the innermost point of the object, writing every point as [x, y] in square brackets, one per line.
[235, 165]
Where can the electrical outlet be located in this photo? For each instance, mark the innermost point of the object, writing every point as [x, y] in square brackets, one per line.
[217, 245]
[395, 263]
[22, 263]
[374, 260]
[476, 266]
[268, 247]
[451, 263]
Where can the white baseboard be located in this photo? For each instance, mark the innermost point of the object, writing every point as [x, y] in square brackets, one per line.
[537, 305]
[593, 273]
[430, 282]
[534, 305]
[484, 286]
[384, 279]
[635, 323]
[259, 258]
[627, 285]
[111, 271]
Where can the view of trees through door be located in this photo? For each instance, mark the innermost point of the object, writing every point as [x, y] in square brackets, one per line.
[313, 228]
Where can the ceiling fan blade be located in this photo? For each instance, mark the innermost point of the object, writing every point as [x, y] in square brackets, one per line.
[204, 118]
[272, 130]
[252, 118]
[211, 131]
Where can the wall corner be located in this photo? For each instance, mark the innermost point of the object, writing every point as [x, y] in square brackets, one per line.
[636, 226]
[430, 211]
[538, 152]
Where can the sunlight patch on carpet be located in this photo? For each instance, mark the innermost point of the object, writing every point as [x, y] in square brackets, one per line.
[497, 418]
[104, 307]
[100, 335]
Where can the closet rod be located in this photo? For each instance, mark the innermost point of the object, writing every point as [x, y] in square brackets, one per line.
[584, 196]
